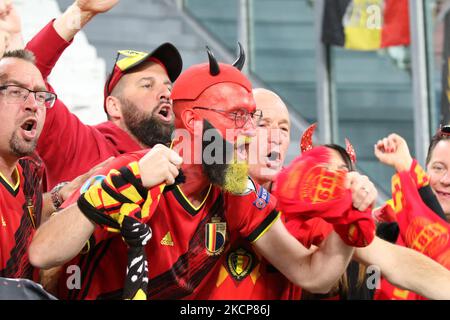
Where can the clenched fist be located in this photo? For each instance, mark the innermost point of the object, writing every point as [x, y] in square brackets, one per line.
[393, 151]
[159, 165]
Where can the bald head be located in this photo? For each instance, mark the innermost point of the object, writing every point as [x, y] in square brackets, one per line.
[273, 136]
[271, 105]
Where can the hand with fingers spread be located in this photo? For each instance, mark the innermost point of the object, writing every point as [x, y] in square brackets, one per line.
[159, 165]
[364, 193]
[393, 151]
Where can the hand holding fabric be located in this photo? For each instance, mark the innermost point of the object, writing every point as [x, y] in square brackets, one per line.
[307, 189]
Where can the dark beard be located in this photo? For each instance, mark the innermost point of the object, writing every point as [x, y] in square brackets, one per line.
[146, 128]
[215, 169]
[221, 170]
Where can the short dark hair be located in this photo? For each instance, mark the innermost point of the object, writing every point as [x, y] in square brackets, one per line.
[20, 54]
[434, 141]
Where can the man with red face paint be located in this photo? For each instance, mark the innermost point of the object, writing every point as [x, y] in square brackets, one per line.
[192, 222]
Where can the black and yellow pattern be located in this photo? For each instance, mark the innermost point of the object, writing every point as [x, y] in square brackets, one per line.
[122, 204]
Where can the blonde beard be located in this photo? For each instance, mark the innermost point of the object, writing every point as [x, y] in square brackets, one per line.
[236, 177]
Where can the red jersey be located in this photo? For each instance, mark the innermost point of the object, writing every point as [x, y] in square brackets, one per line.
[20, 211]
[243, 274]
[187, 243]
[68, 147]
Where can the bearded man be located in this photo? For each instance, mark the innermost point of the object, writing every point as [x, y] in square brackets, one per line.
[174, 239]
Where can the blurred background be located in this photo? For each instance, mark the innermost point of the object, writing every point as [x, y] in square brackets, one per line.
[360, 68]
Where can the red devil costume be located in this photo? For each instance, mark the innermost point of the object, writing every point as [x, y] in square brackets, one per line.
[187, 241]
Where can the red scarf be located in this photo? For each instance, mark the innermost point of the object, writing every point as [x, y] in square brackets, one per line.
[307, 189]
[420, 228]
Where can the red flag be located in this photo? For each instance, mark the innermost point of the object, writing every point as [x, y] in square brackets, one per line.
[366, 25]
[395, 30]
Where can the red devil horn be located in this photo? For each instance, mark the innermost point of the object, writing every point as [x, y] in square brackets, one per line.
[350, 150]
[306, 141]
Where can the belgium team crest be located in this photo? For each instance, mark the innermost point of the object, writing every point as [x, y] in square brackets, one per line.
[240, 263]
[215, 236]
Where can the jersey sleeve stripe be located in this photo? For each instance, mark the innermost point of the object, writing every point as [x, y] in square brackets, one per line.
[264, 226]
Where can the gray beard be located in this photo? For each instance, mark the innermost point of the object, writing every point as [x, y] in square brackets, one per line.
[21, 149]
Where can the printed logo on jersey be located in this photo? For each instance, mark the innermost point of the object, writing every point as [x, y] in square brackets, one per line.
[91, 182]
[3, 222]
[240, 263]
[167, 240]
[262, 198]
[215, 236]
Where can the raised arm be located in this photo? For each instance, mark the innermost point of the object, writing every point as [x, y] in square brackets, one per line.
[49, 43]
[10, 26]
[78, 15]
[407, 268]
[393, 151]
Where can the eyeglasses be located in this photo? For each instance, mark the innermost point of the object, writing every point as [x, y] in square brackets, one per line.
[444, 131]
[17, 94]
[240, 116]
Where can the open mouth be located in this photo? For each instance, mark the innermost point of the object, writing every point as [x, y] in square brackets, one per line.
[273, 156]
[29, 125]
[29, 128]
[273, 159]
[165, 112]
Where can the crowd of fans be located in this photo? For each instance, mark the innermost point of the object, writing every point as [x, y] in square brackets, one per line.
[184, 192]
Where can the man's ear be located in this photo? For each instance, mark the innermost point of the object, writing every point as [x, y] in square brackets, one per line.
[190, 120]
[113, 108]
